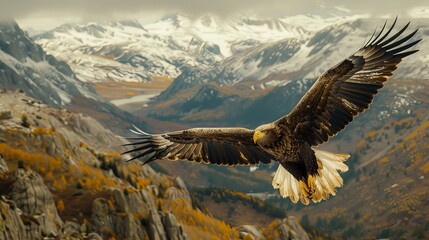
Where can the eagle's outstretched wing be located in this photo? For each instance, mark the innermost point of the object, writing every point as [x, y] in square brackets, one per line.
[221, 146]
[347, 89]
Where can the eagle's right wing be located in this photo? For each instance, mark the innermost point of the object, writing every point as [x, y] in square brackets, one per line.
[348, 89]
[221, 146]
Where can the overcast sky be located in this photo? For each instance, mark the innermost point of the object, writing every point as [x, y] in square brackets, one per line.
[50, 13]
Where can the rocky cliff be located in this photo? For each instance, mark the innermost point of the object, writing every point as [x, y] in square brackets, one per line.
[61, 177]
[29, 212]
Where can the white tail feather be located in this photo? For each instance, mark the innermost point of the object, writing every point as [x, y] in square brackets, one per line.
[325, 181]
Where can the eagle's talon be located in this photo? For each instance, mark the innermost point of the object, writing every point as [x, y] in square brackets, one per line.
[304, 188]
[311, 184]
[308, 187]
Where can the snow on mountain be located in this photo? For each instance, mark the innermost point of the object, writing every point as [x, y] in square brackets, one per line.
[24, 65]
[306, 57]
[334, 43]
[251, 65]
[315, 23]
[127, 51]
[249, 52]
[291, 66]
[226, 32]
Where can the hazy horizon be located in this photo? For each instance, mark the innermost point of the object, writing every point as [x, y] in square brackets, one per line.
[47, 14]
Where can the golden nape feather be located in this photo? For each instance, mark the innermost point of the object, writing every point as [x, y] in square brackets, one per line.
[320, 186]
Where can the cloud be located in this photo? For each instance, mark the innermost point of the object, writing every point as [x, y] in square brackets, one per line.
[135, 8]
[109, 8]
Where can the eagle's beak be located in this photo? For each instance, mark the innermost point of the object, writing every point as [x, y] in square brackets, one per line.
[258, 135]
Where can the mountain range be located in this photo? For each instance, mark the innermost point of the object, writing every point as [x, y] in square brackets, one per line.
[244, 72]
[246, 59]
[128, 51]
[25, 66]
[279, 72]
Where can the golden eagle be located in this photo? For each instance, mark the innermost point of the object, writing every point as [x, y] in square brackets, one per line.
[304, 173]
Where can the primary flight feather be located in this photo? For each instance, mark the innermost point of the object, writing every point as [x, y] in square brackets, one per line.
[304, 173]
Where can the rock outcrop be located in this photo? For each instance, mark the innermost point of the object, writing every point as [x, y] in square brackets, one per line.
[5, 114]
[287, 228]
[291, 229]
[29, 212]
[11, 223]
[250, 230]
[3, 166]
[155, 228]
[35, 200]
[173, 229]
[116, 218]
[134, 216]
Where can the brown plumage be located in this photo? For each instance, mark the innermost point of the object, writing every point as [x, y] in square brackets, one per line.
[304, 173]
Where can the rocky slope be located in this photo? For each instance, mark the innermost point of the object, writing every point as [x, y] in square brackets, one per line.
[24, 65]
[61, 177]
[30, 212]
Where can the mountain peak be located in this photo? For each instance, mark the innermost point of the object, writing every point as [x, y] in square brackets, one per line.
[131, 23]
[176, 19]
[273, 24]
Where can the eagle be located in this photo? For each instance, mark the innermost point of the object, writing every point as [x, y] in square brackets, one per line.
[304, 173]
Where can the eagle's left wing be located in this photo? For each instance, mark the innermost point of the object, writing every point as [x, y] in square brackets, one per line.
[347, 89]
[221, 146]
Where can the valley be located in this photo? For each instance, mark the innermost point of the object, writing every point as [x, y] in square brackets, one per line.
[131, 96]
[177, 73]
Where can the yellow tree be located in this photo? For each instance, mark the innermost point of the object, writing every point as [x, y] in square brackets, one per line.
[60, 205]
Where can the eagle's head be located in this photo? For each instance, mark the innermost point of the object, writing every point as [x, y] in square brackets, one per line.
[265, 134]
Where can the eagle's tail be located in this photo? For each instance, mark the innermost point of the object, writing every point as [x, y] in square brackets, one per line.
[320, 185]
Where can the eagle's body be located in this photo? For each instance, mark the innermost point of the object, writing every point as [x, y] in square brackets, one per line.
[304, 173]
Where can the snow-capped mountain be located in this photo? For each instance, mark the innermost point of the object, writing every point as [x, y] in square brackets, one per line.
[282, 72]
[288, 60]
[334, 43]
[252, 65]
[24, 65]
[127, 51]
[241, 56]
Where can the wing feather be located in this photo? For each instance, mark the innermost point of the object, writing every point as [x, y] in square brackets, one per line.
[220, 146]
[348, 89]
[205, 152]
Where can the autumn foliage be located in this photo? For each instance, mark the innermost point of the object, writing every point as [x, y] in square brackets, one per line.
[194, 217]
[68, 174]
[60, 205]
